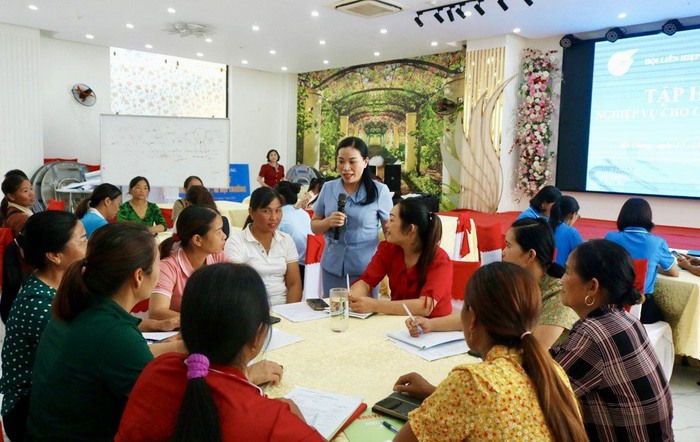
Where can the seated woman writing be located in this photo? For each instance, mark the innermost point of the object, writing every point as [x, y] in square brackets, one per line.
[517, 393]
[208, 395]
[199, 241]
[420, 272]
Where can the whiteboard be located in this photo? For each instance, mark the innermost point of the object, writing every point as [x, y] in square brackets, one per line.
[166, 150]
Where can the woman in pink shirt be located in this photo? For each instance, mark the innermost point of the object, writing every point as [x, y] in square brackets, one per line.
[199, 241]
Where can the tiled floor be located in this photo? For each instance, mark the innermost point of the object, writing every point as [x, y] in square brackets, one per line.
[686, 403]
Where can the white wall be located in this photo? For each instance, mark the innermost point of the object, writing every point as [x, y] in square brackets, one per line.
[72, 130]
[20, 100]
[263, 113]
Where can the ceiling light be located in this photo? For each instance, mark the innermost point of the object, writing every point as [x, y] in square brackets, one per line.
[256, 28]
[208, 40]
[33, 7]
[479, 9]
[382, 31]
[460, 12]
[528, 2]
[516, 31]
[614, 34]
[130, 26]
[622, 15]
[199, 54]
[376, 54]
[314, 13]
[272, 52]
[325, 61]
[89, 36]
[322, 42]
[172, 10]
[284, 68]
[148, 46]
[438, 17]
[244, 61]
[418, 21]
[434, 43]
[671, 27]
[502, 4]
[450, 15]
[568, 41]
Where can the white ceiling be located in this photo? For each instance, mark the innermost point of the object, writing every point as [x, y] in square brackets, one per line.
[288, 27]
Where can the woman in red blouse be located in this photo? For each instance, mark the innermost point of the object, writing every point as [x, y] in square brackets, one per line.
[271, 172]
[419, 271]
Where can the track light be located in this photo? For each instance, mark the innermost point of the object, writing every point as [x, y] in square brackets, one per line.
[479, 9]
[459, 12]
[502, 4]
[671, 27]
[418, 21]
[528, 2]
[614, 34]
[568, 41]
[438, 17]
[450, 15]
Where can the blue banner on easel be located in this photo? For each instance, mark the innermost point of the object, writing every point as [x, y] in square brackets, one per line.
[239, 185]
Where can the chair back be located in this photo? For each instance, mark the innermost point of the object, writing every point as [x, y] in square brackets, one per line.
[462, 272]
[56, 205]
[313, 281]
[168, 215]
[140, 310]
[640, 275]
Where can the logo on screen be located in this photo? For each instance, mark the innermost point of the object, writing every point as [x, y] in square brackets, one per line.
[621, 62]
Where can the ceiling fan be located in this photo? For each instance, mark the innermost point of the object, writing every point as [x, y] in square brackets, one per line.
[83, 94]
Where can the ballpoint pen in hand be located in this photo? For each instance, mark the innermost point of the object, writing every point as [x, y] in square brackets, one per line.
[420, 329]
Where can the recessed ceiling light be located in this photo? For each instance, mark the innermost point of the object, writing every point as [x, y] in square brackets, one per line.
[33, 7]
[256, 27]
[199, 54]
[172, 10]
[468, 13]
[434, 43]
[272, 52]
[325, 61]
[516, 31]
[383, 31]
[377, 54]
[149, 46]
[130, 26]
[314, 13]
[622, 15]
[284, 68]
[244, 61]
[322, 42]
[208, 40]
[89, 36]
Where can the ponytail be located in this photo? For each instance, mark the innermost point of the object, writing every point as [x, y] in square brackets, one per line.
[413, 211]
[561, 209]
[101, 192]
[507, 301]
[3, 210]
[366, 180]
[82, 208]
[198, 418]
[193, 220]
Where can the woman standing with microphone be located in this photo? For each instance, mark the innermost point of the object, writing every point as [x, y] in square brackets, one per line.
[348, 212]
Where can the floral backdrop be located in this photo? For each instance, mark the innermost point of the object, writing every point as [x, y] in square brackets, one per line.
[398, 108]
[143, 83]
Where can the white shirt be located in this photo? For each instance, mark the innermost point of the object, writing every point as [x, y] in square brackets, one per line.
[242, 247]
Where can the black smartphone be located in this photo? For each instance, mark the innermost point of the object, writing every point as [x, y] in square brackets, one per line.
[317, 303]
[676, 254]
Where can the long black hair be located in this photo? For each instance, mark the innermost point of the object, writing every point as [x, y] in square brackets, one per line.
[44, 232]
[218, 326]
[101, 192]
[429, 230]
[546, 195]
[366, 180]
[535, 234]
[561, 209]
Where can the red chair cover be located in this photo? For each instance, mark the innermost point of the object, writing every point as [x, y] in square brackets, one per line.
[92, 167]
[56, 205]
[314, 248]
[53, 160]
[640, 276]
[6, 238]
[310, 212]
[489, 237]
[462, 271]
[140, 307]
[168, 215]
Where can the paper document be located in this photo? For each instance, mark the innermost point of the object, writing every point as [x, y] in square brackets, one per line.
[437, 352]
[298, 312]
[158, 336]
[281, 339]
[426, 340]
[325, 411]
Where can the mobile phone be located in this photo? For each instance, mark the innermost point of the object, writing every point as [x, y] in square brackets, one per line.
[317, 303]
[676, 254]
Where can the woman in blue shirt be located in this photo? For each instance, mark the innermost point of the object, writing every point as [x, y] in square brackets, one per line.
[541, 204]
[633, 225]
[295, 222]
[351, 234]
[96, 210]
[562, 216]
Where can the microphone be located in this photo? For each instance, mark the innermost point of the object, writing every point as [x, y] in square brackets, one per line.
[341, 208]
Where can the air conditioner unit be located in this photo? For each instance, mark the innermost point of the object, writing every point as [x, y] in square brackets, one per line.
[367, 8]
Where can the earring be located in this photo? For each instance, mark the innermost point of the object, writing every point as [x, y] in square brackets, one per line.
[586, 300]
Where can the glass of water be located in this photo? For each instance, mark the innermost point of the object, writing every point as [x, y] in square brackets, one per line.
[339, 309]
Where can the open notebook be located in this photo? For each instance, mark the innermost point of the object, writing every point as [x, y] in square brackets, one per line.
[327, 412]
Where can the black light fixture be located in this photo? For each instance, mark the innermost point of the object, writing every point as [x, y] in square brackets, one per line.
[568, 41]
[459, 12]
[614, 34]
[671, 27]
[479, 9]
[528, 2]
[438, 17]
[450, 15]
[418, 21]
[502, 4]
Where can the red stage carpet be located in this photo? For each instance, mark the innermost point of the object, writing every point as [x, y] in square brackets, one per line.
[676, 237]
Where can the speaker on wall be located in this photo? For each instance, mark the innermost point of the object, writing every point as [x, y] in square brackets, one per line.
[392, 177]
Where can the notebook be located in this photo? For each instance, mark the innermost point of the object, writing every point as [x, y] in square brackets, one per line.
[327, 412]
[426, 340]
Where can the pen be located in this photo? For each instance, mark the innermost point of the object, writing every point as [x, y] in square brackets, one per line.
[420, 329]
[391, 428]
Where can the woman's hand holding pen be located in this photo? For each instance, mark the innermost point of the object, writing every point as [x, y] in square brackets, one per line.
[412, 325]
[362, 304]
[265, 371]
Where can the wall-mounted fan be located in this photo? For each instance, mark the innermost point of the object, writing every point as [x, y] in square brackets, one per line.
[445, 106]
[84, 94]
